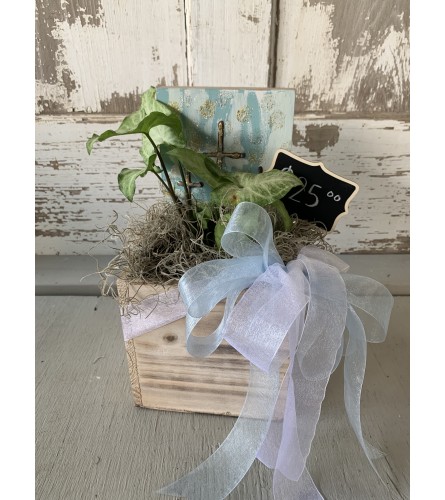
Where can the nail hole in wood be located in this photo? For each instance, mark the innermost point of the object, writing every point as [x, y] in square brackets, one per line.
[170, 338]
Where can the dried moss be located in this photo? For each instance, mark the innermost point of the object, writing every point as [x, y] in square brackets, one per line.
[158, 247]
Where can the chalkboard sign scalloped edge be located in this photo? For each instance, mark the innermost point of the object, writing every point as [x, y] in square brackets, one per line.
[327, 171]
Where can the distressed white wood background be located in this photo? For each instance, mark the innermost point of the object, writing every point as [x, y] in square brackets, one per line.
[347, 59]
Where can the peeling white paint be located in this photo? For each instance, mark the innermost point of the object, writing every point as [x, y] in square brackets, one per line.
[309, 60]
[393, 56]
[228, 42]
[307, 53]
[54, 92]
[135, 46]
[382, 58]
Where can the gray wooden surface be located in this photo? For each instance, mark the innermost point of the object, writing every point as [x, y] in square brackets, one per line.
[92, 443]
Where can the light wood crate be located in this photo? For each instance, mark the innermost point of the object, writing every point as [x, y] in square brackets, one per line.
[165, 376]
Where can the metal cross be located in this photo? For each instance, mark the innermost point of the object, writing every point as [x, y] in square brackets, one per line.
[219, 154]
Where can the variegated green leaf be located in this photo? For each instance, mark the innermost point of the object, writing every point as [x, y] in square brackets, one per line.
[127, 177]
[161, 134]
[144, 126]
[262, 189]
[128, 124]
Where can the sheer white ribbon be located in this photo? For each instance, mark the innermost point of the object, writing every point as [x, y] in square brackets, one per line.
[298, 313]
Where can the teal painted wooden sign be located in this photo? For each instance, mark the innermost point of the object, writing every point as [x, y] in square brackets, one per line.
[241, 129]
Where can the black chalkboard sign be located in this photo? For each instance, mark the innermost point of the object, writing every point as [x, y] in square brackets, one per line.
[324, 196]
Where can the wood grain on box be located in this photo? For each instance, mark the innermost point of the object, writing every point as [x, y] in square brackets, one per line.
[170, 378]
[164, 376]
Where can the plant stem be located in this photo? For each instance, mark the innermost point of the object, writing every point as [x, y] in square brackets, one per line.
[171, 189]
[187, 189]
[162, 181]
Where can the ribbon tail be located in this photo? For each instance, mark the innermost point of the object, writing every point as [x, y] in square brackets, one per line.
[313, 355]
[284, 420]
[354, 372]
[217, 476]
[339, 353]
[304, 489]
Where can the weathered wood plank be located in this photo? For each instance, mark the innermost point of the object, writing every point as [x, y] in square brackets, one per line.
[345, 55]
[99, 55]
[91, 442]
[228, 43]
[77, 194]
[340, 55]
[375, 154]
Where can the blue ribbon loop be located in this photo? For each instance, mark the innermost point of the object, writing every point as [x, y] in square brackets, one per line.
[296, 314]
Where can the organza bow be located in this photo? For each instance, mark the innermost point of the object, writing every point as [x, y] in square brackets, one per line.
[295, 314]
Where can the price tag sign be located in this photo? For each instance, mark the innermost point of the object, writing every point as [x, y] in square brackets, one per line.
[324, 196]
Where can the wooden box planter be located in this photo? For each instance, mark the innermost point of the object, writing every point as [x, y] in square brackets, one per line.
[165, 376]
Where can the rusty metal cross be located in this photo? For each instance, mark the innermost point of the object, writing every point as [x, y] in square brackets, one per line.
[219, 154]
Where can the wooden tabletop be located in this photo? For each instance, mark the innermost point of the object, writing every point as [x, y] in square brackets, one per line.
[92, 443]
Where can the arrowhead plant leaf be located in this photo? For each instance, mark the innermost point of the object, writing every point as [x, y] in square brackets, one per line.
[131, 125]
[262, 189]
[127, 177]
[161, 134]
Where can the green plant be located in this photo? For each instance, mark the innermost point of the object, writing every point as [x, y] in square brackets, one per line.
[162, 137]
